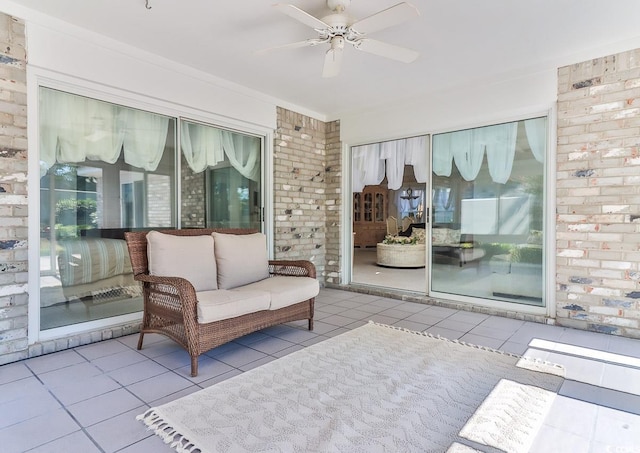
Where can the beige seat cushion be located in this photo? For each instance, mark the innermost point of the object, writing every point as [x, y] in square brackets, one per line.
[189, 257]
[226, 304]
[240, 259]
[285, 290]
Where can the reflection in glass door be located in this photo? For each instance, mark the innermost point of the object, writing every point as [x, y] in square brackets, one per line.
[487, 199]
[229, 166]
[105, 168]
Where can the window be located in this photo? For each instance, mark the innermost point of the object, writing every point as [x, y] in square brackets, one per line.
[487, 231]
[104, 169]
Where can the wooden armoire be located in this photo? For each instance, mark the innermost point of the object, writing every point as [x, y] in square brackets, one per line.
[370, 211]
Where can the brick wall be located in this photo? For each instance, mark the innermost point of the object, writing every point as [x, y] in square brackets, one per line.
[306, 166]
[333, 202]
[13, 191]
[598, 195]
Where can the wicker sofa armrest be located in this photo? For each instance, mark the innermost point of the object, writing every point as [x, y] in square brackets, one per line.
[175, 293]
[293, 268]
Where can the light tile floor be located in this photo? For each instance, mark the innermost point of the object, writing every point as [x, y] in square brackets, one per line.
[85, 400]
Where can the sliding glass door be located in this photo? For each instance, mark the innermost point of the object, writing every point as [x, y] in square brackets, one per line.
[487, 199]
[106, 169]
[389, 182]
[481, 224]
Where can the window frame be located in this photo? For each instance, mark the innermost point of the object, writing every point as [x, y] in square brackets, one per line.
[38, 77]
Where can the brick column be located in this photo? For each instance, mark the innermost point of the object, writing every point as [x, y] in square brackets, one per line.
[13, 191]
[333, 203]
[598, 195]
[302, 177]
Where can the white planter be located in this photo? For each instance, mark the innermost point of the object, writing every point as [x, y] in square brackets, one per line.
[401, 255]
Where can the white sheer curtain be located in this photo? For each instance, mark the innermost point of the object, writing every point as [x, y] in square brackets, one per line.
[145, 138]
[367, 168]
[201, 146]
[371, 162]
[393, 153]
[536, 130]
[206, 146]
[467, 154]
[416, 154]
[49, 128]
[500, 143]
[442, 157]
[74, 129]
[243, 152]
[466, 148]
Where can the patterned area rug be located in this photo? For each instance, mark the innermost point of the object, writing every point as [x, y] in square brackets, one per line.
[374, 389]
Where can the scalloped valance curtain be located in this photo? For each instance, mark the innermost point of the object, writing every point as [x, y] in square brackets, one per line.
[75, 128]
[206, 146]
[467, 149]
[370, 163]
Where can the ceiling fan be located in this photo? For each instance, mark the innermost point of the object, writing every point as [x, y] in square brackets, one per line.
[339, 28]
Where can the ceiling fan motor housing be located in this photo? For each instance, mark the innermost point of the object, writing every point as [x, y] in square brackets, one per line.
[338, 5]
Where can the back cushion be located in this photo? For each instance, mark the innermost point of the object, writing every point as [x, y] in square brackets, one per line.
[189, 257]
[240, 259]
[440, 235]
[454, 236]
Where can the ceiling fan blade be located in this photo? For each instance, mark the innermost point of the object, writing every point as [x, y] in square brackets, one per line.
[332, 62]
[301, 16]
[306, 43]
[386, 50]
[389, 17]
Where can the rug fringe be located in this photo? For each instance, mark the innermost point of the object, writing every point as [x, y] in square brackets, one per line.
[535, 364]
[167, 433]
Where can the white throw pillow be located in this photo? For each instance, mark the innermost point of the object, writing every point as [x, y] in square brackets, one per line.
[189, 257]
[240, 259]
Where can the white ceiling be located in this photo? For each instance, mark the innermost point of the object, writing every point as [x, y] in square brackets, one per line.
[460, 42]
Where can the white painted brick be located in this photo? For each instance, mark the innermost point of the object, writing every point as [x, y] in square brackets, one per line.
[571, 253]
[583, 228]
[617, 265]
[609, 311]
[606, 107]
[622, 322]
[609, 292]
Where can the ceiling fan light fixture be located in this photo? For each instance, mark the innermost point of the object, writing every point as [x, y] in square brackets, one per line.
[337, 42]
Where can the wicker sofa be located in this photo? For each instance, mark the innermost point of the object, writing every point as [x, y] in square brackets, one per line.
[205, 287]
